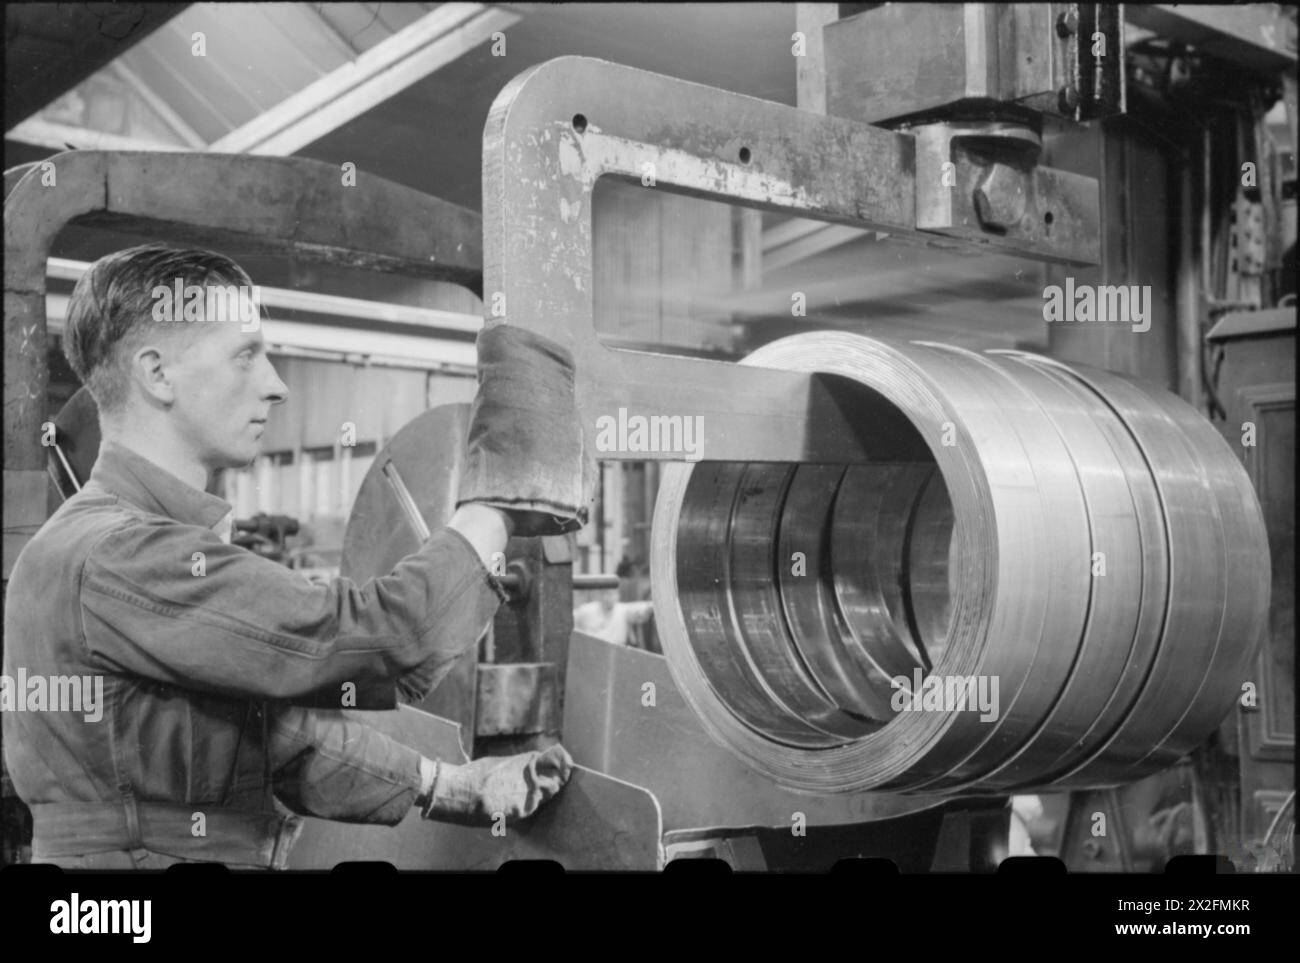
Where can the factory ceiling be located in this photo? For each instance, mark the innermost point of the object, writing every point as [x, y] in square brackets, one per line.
[402, 90]
[399, 89]
[50, 48]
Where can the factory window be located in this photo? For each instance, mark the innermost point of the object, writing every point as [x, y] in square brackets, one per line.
[277, 484]
[264, 487]
[268, 485]
[241, 492]
[319, 491]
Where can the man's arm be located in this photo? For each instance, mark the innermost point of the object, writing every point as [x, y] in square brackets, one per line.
[639, 613]
[329, 765]
[174, 603]
[487, 530]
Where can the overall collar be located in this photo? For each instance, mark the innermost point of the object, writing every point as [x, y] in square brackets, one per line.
[139, 481]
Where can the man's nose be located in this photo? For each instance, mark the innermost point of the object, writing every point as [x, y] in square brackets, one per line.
[277, 391]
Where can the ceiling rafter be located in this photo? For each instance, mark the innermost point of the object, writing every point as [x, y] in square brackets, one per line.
[335, 36]
[800, 238]
[376, 75]
[58, 136]
[159, 106]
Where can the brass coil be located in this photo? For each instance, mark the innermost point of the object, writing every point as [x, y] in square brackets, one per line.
[1091, 546]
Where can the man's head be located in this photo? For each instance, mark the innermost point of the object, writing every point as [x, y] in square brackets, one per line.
[163, 340]
[608, 599]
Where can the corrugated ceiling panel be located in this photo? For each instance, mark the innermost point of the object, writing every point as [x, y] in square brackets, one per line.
[257, 56]
[363, 25]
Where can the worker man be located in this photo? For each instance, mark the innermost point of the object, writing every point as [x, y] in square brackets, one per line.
[609, 619]
[210, 739]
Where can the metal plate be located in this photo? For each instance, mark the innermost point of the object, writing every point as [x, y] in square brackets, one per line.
[609, 726]
[595, 823]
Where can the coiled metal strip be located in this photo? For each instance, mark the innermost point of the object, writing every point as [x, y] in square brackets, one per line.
[978, 563]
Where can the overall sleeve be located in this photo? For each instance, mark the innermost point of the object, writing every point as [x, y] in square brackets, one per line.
[328, 765]
[174, 603]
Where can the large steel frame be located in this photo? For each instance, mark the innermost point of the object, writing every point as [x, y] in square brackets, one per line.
[559, 127]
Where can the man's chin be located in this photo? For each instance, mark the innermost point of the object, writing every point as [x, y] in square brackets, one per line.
[235, 460]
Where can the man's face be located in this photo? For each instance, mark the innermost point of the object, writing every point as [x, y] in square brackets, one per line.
[224, 389]
[608, 599]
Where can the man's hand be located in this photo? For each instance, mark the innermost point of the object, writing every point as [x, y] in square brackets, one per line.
[487, 529]
[525, 453]
[512, 786]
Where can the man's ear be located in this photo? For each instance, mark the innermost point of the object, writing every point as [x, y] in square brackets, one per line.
[149, 371]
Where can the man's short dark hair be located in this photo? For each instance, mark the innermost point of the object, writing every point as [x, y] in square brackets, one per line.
[111, 309]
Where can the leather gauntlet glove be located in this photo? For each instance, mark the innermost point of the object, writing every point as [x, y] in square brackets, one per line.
[525, 450]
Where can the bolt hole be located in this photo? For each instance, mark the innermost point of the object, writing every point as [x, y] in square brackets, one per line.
[744, 155]
[579, 123]
[1048, 218]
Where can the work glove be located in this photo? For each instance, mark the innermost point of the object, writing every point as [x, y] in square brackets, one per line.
[514, 786]
[525, 453]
